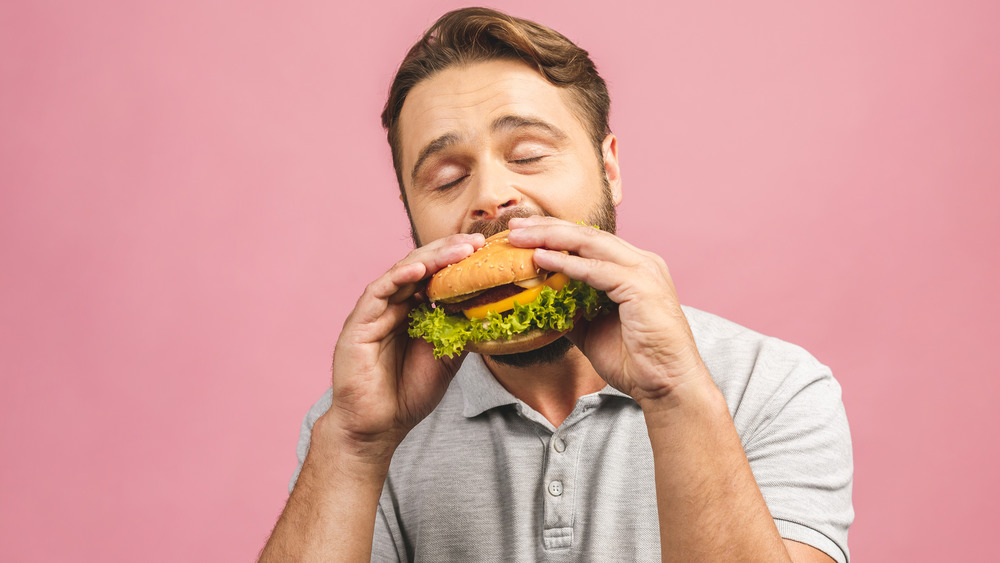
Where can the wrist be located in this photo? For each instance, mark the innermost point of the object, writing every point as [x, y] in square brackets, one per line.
[353, 455]
[695, 395]
[672, 368]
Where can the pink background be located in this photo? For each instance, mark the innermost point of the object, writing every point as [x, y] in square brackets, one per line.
[194, 193]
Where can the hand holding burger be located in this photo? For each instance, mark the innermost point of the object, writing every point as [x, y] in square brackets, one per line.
[498, 301]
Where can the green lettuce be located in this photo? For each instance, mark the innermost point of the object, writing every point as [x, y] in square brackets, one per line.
[552, 310]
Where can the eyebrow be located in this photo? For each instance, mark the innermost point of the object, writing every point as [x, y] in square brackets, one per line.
[435, 146]
[503, 123]
[512, 122]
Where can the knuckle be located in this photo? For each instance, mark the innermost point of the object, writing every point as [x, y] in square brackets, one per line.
[399, 264]
[370, 291]
[654, 262]
[649, 271]
[648, 268]
[661, 264]
[450, 240]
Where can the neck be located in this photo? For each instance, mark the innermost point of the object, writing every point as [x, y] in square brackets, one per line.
[551, 388]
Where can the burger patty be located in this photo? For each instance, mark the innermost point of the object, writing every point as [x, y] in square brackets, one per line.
[489, 296]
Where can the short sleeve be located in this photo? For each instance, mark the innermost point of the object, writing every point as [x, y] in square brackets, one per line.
[305, 433]
[798, 442]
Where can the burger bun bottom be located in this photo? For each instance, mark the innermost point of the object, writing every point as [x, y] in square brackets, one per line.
[525, 342]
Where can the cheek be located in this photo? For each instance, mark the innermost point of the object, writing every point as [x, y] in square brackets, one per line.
[567, 192]
[434, 220]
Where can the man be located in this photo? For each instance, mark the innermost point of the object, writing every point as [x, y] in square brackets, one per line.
[639, 436]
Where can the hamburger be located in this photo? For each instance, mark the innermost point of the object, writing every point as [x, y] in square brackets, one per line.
[497, 301]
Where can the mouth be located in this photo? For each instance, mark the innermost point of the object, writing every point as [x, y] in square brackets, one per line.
[490, 227]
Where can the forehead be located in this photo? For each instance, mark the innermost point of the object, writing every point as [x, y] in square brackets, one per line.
[464, 100]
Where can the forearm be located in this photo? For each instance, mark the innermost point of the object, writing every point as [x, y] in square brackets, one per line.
[709, 505]
[330, 515]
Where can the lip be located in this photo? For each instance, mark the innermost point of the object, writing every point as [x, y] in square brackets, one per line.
[490, 227]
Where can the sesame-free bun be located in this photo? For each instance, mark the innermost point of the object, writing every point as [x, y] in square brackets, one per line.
[524, 342]
[495, 264]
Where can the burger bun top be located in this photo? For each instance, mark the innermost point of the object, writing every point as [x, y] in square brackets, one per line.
[496, 263]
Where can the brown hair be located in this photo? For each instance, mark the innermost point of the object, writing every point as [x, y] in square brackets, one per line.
[472, 35]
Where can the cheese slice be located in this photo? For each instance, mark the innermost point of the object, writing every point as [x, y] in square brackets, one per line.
[556, 281]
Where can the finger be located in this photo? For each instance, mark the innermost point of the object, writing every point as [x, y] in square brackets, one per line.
[400, 282]
[600, 274]
[423, 262]
[438, 254]
[407, 279]
[392, 319]
[388, 287]
[577, 239]
[433, 257]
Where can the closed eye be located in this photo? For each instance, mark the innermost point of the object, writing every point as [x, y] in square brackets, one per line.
[451, 184]
[527, 160]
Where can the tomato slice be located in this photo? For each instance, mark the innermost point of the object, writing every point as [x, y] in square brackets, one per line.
[555, 281]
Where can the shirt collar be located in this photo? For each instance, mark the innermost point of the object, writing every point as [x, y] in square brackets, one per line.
[480, 389]
[612, 392]
[482, 392]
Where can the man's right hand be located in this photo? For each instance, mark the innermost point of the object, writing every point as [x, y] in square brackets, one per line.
[384, 383]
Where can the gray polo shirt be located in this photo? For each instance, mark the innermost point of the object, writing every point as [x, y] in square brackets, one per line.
[487, 478]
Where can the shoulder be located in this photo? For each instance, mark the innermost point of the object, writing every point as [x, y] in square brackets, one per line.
[744, 361]
[736, 344]
[769, 384]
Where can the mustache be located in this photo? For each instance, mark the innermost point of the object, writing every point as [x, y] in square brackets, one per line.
[490, 227]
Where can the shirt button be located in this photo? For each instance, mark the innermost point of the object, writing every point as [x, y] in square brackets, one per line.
[555, 488]
[559, 445]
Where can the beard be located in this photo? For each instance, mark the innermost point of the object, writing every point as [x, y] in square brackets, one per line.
[604, 216]
[550, 353]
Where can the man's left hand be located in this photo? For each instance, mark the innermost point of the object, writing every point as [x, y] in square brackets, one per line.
[645, 348]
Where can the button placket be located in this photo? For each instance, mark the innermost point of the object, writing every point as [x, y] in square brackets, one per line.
[559, 476]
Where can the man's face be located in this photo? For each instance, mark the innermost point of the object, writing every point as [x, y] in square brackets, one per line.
[482, 140]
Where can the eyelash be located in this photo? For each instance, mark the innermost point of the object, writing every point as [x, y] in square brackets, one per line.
[528, 160]
[518, 161]
[451, 184]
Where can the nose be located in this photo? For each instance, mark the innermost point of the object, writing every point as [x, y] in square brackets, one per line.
[494, 193]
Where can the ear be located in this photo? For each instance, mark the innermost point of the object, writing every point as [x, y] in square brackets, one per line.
[612, 171]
